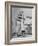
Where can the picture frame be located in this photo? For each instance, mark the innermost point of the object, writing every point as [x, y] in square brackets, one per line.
[30, 11]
